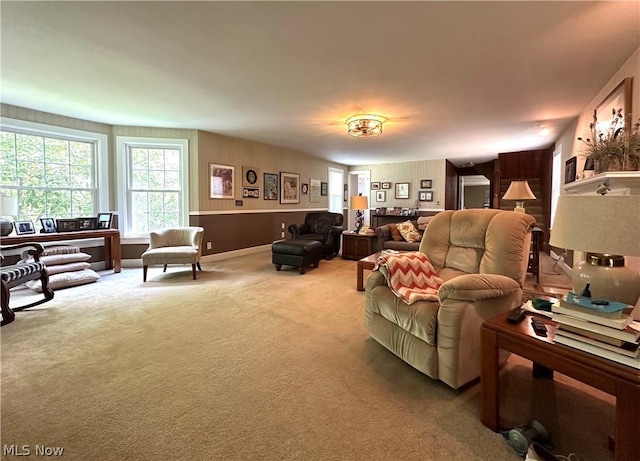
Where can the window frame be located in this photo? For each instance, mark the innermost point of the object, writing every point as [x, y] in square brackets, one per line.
[339, 193]
[123, 144]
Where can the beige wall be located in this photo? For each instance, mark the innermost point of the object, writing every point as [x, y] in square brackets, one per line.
[413, 173]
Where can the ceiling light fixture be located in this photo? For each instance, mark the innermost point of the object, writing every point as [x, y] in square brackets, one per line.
[544, 131]
[363, 126]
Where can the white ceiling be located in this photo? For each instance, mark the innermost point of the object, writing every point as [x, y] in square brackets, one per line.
[457, 80]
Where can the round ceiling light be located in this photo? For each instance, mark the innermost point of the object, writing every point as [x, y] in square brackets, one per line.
[362, 126]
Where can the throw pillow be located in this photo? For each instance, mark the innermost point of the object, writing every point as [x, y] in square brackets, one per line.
[64, 258]
[66, 279]
[409, 232]
[395, 234]
[423, 222]
[70, 267]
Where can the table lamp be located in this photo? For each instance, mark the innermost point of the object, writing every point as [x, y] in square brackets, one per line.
[607, 228]
[359, 203]
[8, 208]
[519, 191]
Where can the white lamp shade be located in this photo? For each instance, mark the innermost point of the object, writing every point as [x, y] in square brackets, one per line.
[8, 205]
[519, 190]
[359, 202]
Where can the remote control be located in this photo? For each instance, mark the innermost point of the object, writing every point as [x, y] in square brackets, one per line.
[539, 327]
[516, 315]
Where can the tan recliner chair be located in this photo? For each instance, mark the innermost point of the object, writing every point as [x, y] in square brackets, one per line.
[481, 256]
[179, 245]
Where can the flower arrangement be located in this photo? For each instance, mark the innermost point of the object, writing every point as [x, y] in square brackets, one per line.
[613, 149]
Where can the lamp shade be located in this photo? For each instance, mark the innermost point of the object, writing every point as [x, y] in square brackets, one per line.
[606, 224]
[8, 205]
[519, 190]
[359, 202]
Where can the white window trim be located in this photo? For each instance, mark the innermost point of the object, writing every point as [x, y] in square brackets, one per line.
[102, 149]
[341, 173]
[124, 142]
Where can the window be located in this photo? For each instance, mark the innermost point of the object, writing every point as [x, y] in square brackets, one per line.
[336, 191]
[153, 184]
[55, 172]
[558, 172]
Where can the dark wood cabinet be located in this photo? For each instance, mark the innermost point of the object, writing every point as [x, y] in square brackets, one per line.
[357, 246]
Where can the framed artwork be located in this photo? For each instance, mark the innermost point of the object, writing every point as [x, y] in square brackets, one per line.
[87, 223]
[375, 185]
[289, 187]
[250, 192]
[425, 184]
[270, 186]
[104, 220]
[386, 185]
[24, 227]
[67, 225]
[381, 196]
[48, 225]
[324, 188]
[249, 176]
[304, 188]
[425, 196]
[314, 190]
[570, 170]
[402, 190]
[221, 181]
[618, 99]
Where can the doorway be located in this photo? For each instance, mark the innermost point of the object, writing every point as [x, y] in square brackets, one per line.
[359, 184]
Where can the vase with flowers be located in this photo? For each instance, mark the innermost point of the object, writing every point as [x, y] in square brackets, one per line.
[613, 148]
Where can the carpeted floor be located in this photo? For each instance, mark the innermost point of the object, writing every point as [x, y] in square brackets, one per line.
[250, 363]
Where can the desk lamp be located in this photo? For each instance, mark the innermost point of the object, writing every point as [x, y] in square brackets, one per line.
[8, 208]
[607, 228]
[359, 203]
[519, 191]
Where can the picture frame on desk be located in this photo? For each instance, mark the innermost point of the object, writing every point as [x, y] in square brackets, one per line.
[104, 220]
[67, 225]
[48, 226]
[570, 168]
[87, 223]
[24, 227]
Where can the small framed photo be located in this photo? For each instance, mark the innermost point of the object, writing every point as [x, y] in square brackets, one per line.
[250, 192]
[289, 187]
[270, 186]
[67, 225]
[402, 190]
[375, 185]
[87, 223]
[386, 185]
[249, 176]
[426, 184]
[324, 188]
[24, 227]
[381, 196]
[304, 188]
[570, 170]
[425, 196]
[104, 220]
[48, 226]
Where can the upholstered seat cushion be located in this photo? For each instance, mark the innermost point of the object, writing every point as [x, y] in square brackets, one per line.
[170, 255]
[18, 271]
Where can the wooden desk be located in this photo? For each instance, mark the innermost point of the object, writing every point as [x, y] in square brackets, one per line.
[619, 380]
[112, 250]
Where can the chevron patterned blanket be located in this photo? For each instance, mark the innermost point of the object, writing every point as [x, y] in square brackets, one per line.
[410, 276]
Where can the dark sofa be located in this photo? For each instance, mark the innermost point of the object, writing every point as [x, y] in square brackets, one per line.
[324, 227]
[384, 241]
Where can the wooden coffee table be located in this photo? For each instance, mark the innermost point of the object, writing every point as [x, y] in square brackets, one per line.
[619, 380]
[367, 263]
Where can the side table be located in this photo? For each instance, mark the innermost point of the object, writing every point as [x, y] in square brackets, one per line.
[357, 246]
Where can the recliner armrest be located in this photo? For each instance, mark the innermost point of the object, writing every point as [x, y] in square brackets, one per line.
[474, 287]
[298, 229]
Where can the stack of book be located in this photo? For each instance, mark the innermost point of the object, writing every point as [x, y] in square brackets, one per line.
[600, 329]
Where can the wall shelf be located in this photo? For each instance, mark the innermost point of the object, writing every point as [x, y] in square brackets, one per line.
[620, 183]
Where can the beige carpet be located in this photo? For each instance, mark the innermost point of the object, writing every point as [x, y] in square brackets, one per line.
[250, 363]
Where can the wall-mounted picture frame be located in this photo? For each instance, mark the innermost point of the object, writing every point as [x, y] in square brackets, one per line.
[426, 184]
[324, 188]
[618, 99]
[289, 187]
[402, 190]
[570, 170]
[221, 179]
[270, 186]
[104, 221]
[375, 185]
[425, 196]
[381, 196]
[250, 192]
[48, 226]
[304, 188]
[386, 185]
[314, 190]
[24, 227]
[249, 176]
[87, 223]
[67, 225]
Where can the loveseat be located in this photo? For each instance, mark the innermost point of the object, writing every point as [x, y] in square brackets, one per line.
[324, 227]
[481, 256]
[384, 239]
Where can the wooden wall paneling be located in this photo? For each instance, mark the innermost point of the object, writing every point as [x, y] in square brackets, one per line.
[451, 188]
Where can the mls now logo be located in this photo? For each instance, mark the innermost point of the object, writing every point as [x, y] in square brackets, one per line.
[25, 450]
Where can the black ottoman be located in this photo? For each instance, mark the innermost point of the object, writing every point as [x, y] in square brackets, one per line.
[298, 253]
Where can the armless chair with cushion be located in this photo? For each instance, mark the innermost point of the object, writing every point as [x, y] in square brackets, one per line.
[17, 274]
[324, 227]
[481, 257]
[179, 245]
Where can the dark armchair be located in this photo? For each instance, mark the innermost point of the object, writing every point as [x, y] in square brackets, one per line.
[324, 227]
[20, 273]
